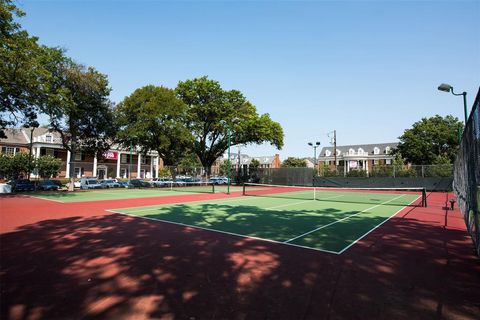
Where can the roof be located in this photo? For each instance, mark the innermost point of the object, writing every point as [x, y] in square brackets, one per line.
[366, 147]
[14, 136]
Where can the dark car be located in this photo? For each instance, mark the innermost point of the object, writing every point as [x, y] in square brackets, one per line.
[123, 184]
[139, 183]
[47, 185]
[22, 185]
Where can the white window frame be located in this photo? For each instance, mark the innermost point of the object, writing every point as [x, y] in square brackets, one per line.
[48, 138]
[351, 151]
[388, 161]
[360, 151]
[78, 156]
[123, 158]
[387, 150]
[10, 151]
[78, 172]
[376, 150]
[327, 153]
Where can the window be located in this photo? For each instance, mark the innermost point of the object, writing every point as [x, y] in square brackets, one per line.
[78, 156]
[79, 172]
[375, 162]
[50, 152]
[351, 151]
[10, 150]
[123, 158]
[387, 150]
[388, 161]
[48, 138]
[124, 173]
[376, 150]
[327, 153]
[360, 151]
[327, 162]
[143, 159]
[339, 152]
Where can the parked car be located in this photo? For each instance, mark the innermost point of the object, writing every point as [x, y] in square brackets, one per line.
[122, 184]
[47, 185]
[22, 185]
[139, 183]
[90, 183]
[218, 180]
[110, 183]
[161, 182]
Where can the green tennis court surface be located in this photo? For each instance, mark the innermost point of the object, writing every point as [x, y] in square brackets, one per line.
[324, 225]
[112, 194]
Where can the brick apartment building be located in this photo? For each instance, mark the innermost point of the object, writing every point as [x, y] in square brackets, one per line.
[115, 163]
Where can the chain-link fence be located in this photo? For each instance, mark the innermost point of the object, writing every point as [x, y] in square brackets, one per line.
[467, 174]
[442, 170]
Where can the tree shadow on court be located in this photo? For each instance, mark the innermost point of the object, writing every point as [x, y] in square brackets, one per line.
[118, 267]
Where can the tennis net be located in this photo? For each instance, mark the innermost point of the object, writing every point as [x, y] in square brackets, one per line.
[380, 196]
[197, 186]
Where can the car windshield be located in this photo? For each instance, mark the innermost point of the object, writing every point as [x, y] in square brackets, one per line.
[92, 181]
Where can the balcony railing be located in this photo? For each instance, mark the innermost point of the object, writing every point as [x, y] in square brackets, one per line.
[45, 139]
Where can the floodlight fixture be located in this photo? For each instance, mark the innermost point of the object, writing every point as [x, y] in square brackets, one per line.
[448, 88]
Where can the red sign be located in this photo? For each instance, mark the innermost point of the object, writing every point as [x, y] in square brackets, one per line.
[110, 155]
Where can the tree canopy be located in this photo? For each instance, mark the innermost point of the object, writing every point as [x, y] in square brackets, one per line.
[212, 112]
[153, 118]
[80, 111]
[429, 139]
[25, 70]
[294, 162]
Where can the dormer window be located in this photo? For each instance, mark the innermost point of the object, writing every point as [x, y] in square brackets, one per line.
[351, 151]
[387, 150]
[339, 152]
[327, 153]
[376, 150]
[360, 151]
[48, 138]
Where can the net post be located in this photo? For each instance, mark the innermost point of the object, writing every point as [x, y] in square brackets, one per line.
[213, 187]
[424, 197]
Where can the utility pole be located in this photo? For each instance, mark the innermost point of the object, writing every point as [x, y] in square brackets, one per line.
[335, 148]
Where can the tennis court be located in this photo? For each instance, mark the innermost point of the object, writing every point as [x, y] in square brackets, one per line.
[112, 194]
[325, 220]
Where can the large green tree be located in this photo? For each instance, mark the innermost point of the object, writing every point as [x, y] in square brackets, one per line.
[212, 112]
[292, 162]
[48, 166]
[25, 70]
[153, 118]
[80, 111]
[430, 138]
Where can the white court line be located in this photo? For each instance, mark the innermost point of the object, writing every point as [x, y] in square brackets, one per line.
[39, 197]
[286, 205]
[224, 232]
[378, 225]
[343, 219]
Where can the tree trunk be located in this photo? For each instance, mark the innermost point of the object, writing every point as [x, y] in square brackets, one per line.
[71, 186]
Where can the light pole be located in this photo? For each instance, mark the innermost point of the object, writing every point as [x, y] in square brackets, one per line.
[448, 88]
[315, 146]
[223, 122]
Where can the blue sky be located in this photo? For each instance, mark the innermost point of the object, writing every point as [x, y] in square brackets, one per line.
[368, 69]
